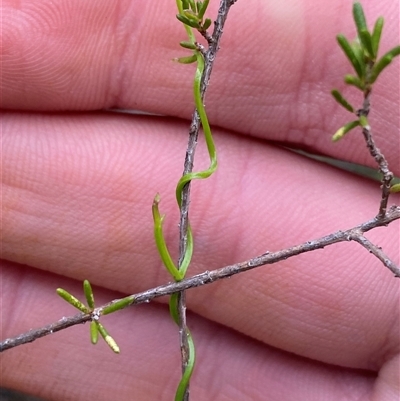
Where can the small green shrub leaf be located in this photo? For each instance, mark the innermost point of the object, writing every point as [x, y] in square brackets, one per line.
[206, 24]
[185, 20]
[186, 60]
[376, 36]
[87, 289]
[365, 39]
[382, 63]
[188, 45]
[342, 101]
[395, 188]
[202, 9]
[94, 332]
[191, 15]
[118, 305]
[355, 81]
[341, 132]
[349, 52]
[359, 17]
[72, 300]
[107, 338]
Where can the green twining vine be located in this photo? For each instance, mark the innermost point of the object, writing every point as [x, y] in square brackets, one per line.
[191, 14]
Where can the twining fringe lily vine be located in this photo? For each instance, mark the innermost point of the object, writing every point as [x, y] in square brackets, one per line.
[363, 56]
[191, 14]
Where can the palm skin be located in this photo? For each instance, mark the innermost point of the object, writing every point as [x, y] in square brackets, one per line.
[78, 183]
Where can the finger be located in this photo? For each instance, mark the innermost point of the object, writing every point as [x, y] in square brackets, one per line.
[78, 203]
[229, 366]
[271, 80]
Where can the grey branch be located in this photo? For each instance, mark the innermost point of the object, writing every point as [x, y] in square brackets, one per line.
[378, 156]
[207, 277]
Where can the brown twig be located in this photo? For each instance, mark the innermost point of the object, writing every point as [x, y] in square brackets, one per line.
[207, 277]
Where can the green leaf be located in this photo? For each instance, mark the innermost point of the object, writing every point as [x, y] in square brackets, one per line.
[108, 339]
[188, 45]
[341, 132]
[193, 5]
[72, 300]
[185, 4]
[187, 21]
[206, 24]
[202, 9]
[87, 289]
[191, 15]
[342, 101]
[359, 17]
[394, 52]
[395, 188]
[118, 305]
[94, 332]
[366, 41]
[186, 60]
[360, 53]
[355, 81]
[349, 52]
[383, 62]
[376, 36]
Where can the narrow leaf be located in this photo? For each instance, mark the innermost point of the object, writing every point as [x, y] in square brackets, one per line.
[203, 9]
[188, 45]
[187, 21]
[185, 4]
[191, 15]
[193, 6]
[394, 52]
[360, 52]
[365, 39]
[355, 81]
[87, 289]
[117, 305]
[186, 60]
[206, 24]
[359, 17]
[379, 67]
[72, 300]
[108, 339]
[349, 52]
[342, 101]
[341, 132]
[94, 332]
[395, 188]
[376, 36]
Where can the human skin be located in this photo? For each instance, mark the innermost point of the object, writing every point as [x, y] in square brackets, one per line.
[78, 184]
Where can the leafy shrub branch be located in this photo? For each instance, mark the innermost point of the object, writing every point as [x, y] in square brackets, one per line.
[363, 55]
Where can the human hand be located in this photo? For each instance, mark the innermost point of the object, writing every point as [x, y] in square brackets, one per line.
[78, 184]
